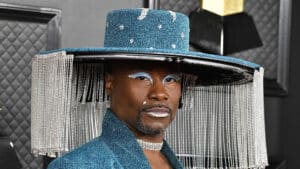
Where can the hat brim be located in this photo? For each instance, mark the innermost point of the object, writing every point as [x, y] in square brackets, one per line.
[212, 69]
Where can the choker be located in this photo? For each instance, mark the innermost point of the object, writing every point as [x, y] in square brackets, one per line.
[149, 145]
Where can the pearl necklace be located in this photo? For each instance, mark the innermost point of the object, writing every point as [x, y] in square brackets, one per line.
[149, 145]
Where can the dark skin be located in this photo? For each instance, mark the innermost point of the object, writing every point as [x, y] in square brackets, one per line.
[145, 96]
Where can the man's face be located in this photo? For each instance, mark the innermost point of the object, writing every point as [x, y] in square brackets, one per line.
[144, 95]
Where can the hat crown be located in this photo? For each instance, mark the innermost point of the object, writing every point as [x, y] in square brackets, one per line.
[147, 29]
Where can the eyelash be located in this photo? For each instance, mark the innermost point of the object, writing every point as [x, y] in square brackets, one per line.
[173, 78]
[140, 76]
[146, 77]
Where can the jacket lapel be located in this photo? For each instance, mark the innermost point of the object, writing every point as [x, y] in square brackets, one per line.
[123, 143]
[169, 154]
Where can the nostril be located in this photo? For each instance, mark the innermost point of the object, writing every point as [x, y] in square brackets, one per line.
[159, 96]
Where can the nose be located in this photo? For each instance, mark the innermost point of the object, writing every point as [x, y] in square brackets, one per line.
[158, 91]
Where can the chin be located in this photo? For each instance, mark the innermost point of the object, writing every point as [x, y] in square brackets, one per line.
[151, 130]
[153, 126]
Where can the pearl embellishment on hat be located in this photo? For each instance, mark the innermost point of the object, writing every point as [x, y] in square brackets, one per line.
[182, 35]
[173, 15]
[143, 14]
[131, 41]
[121, 27]
[159, 26]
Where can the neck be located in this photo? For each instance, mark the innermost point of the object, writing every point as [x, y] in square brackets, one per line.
[150, 138]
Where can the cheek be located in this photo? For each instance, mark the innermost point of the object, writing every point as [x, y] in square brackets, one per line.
[132, 96]
[174, 93]
[126, 101]
[137, 95]
[174, 98]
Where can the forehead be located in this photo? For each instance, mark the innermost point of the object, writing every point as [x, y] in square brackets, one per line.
[126, 66]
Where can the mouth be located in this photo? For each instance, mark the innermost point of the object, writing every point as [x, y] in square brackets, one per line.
[158, 112]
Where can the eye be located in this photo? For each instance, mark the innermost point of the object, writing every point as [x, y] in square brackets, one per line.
[143, 76]
[172, 78]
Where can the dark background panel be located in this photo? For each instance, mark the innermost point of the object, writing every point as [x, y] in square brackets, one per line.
[291, 111]
[23, 33]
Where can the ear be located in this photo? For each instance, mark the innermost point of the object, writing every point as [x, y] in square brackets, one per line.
[108, 83]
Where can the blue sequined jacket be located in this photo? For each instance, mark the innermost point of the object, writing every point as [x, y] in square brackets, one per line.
[116, 148]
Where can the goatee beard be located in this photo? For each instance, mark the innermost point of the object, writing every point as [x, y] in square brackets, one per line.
[146, 129]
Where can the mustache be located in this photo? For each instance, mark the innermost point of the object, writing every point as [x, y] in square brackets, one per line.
[145, 108]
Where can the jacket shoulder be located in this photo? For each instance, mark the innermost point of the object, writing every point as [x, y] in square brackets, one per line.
[92, 155]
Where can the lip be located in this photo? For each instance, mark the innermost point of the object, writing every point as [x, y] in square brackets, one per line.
[158, 112]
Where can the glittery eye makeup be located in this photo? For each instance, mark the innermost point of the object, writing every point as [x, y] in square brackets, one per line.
[141, 76]
[146, 77]
[171, 78]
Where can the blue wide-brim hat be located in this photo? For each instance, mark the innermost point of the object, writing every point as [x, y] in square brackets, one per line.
[220, 123]
[158, 35]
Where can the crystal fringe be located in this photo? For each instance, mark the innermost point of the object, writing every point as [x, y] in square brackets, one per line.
[224, 129]
[51, 76]
[65, 112]
[218, 127]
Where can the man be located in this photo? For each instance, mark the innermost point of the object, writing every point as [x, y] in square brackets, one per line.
[147, 72]
[144, 100]
[148, 105]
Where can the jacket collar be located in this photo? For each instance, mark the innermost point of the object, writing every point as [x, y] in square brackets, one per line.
[123, 143]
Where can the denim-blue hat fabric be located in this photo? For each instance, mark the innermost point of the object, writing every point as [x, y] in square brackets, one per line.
[149, 31]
